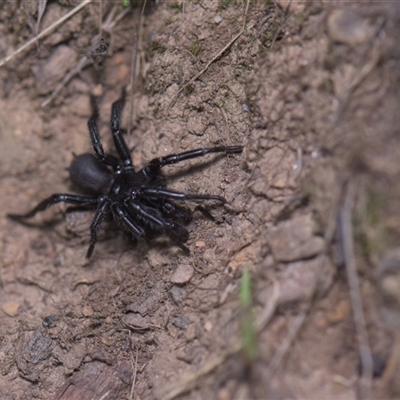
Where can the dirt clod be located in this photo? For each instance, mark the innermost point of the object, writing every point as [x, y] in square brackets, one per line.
[182, 274]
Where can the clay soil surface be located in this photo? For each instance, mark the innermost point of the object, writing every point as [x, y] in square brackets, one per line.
[311, 90]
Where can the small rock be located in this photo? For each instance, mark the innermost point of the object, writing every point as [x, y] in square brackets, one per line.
[338, 314]
[388, 283]
[208, 326]
[150, 302]
[279, 183]
[183, 274]
[11, 308]
[292, 6]
[348, 27]
[30, 352]
[293, 240]
[218, 19]
[49, 321]
[200, 243]
[137, 322]
[87, 311]
[176, 294]
[186, 354]
[107, 340]
[181, 322]
[302, 280]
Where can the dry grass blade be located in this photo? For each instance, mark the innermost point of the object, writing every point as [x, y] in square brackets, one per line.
[392, 367]
[346, 228]
[44, 33]
[83, 63]
[41, 9]
[138, 35]
[285, 345]
[134, 374]
[363, 71]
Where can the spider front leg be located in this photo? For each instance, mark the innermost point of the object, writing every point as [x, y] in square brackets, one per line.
[119, 141]
[154, 166]
[95, 138]
[53, 199]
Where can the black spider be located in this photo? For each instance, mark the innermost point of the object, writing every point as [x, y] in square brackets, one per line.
[139, 201]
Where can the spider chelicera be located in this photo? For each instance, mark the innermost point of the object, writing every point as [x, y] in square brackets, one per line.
[139, 201]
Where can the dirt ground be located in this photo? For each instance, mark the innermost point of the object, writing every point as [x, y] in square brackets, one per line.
[311, 90]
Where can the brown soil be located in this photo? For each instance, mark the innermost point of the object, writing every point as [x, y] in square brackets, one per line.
[312, 92]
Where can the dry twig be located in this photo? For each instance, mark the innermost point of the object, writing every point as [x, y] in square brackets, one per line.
[138, 35]
[284, 346]
[44, 33]
[134, 374]
[362, 72]
[346, 229]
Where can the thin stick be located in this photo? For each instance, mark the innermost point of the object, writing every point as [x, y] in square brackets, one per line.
[284, 346]
[391, 367]
[100, 17]
[136, 39]
[363, 72]
[82, 64]
[215, 58]
[45, 32]
[134, 375]
[355, 295]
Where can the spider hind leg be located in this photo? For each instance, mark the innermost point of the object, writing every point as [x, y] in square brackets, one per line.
[85, 201]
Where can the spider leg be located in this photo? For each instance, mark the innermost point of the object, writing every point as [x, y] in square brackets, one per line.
[95, 138]
[53, 199]
[166, 193]
[102, 210]
[119, 141]
[170, 209]
[154, 165]
[124, 220]
[154, 219]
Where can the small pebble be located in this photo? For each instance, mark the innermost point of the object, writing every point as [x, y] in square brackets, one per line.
[181, 322]
[176, 294]
[98, 90]
[49, 321]
[208, 326]
[200, 243]
[87, 311]
[218, 19]
[11, 308]
[348, 27]
[182, 274]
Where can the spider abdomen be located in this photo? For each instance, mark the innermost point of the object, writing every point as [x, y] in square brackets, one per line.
[89, 174]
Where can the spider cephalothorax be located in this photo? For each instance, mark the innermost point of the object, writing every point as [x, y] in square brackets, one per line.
[139, 201]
